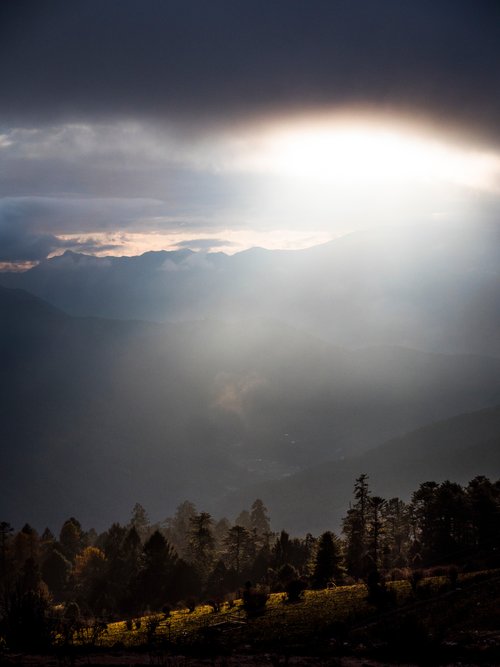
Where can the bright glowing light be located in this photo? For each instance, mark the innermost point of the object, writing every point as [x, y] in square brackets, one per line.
[348, 154]
[340, 173]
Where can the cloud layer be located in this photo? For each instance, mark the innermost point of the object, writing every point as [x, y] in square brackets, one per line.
[131, 118]
[210, 61]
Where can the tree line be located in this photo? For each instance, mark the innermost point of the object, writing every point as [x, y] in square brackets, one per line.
[190, 557]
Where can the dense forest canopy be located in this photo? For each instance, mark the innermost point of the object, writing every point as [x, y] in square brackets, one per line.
[192, 557]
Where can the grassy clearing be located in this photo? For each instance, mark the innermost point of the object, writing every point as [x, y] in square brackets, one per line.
[313, 616]
[325, 620]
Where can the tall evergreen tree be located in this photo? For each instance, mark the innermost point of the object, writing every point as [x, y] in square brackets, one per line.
[140, 520]
[157, 570]
[328, 561]
[71, 539]
[202, 543]
[375, 530]
[240, 549]
[56, 570]
[484, 508]
[354, 527]
[178, 528]
[260, 523]
[396, 541]
[6, 532]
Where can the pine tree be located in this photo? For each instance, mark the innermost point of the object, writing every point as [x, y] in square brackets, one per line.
[178, 528]
[71, 539]
[140, 520]
[260, 523]
[202, 543]
[354, 527]
[157, 569]
[375, 530]
[327, 564]
[396, 541]
[239, 549]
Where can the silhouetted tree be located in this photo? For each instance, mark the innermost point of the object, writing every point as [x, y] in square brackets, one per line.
[239, 549]
[90, 580]
[178, 528]
[440, 514]
[26, 623]
[220, 531]
[139, 520]
[158, 561]
[328, 561]
[396, 542]
[375, 529]
[219, 580]
[71, 539]
[484, 504]
[26, 545]
[6, 531]
[354, 527]
[243, 519]
[55, 572]
[186, 582]
[260, 523]
[202, 543]
[129, 597]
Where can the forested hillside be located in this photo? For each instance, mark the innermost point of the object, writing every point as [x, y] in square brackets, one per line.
[391, 558]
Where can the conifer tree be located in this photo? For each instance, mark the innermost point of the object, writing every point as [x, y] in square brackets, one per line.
[328, 561]
[355, 529]
[202, 543]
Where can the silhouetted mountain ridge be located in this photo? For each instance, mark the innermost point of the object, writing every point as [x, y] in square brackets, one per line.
[431, 287]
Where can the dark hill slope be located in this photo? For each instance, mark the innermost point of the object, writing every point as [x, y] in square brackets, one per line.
[97, 414]
[316, 499]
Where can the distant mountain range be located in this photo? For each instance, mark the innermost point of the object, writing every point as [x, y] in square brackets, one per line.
[98, 414]
[434, 288]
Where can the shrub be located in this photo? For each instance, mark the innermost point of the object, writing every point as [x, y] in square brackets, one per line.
[378, 594]
[254, 600]
[152, 623]
[191, 605]
[415, 578]
[215, 604]
[294, 590]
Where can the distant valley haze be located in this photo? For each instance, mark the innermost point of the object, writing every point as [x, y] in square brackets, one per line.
[248, 249]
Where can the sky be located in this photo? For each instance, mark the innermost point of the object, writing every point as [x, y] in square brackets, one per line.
[135, 125]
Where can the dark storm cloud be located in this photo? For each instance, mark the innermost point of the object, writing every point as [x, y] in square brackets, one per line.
[18, 244]
[48, 215]
[202, 61]
[27, 224]
[20, 241]
[19, 238]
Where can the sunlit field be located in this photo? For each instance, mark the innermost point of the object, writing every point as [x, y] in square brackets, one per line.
[338, 621]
